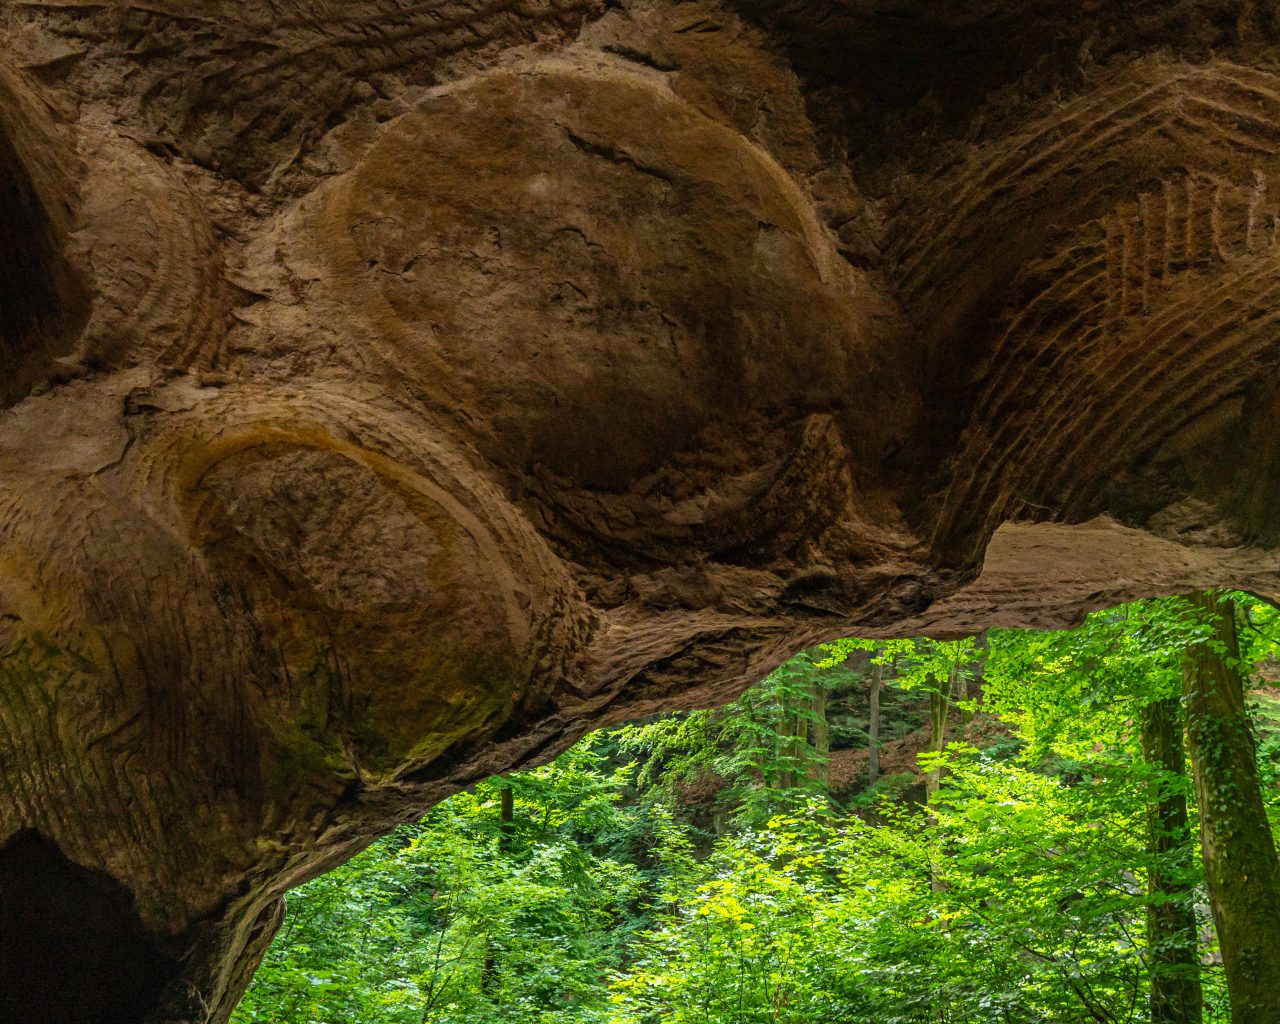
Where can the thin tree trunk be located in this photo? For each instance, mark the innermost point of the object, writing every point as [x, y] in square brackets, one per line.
[799, 737]
[981, 645]
[940, 698]
[1172, 940]
[958, 690]
[873, 726]
[786, 777]
[506, 831]
[939, 709]
[1239, 853]
[939, 705]
[507, 815]
[820, 737]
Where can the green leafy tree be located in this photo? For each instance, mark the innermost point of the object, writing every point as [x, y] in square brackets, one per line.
[1235, 837]
[1113, 685]
[1051, 878]
[492, 908]
[942, 669]
[766, 751]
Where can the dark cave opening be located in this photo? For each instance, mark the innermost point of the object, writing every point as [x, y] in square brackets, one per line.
[74, 949]
[42, 300]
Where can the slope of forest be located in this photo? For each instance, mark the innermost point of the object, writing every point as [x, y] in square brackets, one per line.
[893, 831]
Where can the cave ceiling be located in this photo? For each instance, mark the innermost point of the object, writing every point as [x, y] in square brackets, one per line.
[397, 389]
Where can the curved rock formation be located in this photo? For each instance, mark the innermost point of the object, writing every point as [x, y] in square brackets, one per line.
[396, 389]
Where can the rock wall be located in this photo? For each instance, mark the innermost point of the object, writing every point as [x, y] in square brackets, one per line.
[397, 389]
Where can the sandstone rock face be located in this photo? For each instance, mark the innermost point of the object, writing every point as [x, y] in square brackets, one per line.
[396, 389]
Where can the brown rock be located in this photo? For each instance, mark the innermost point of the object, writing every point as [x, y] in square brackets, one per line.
[397, 390]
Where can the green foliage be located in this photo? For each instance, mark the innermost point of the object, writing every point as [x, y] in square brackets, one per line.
[1022, 901]
[756, 752]
[917, 663]
[1078, 692]
[743, 943]
[463, 918]
[695, 868]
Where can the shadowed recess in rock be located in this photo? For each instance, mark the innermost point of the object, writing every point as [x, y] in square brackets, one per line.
[28, 294]
[39, 298]
[74, 952]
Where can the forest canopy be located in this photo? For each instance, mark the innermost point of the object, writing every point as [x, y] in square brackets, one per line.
[995, 830]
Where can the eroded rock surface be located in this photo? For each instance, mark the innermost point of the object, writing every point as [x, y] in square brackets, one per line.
[396, 390]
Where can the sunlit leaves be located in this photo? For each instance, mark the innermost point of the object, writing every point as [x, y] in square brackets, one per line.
[1016, 897]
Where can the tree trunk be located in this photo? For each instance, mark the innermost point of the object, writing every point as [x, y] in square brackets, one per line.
[785, 745]
[1172, 938]
[1239, 853]
[940, 699]
[506, 831]
[873, 724]
[981, 645]
[939, 706]
[957, 691]
[507, 815]
[820, 735]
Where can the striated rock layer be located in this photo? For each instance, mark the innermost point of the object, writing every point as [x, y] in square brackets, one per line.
[396, 389]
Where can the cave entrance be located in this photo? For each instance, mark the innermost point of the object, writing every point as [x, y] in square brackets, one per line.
[74, 951]
[42, 300]
[880, 830]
